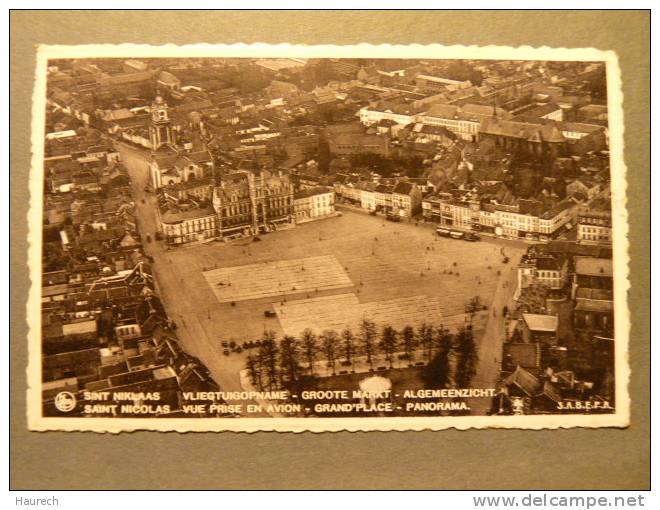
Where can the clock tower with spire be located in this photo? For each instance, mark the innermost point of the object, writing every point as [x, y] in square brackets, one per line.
[160, 130]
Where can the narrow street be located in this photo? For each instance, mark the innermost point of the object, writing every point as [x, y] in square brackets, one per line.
[191, 330]
[490, 344]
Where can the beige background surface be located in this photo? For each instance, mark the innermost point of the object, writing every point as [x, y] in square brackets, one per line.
[576, 458]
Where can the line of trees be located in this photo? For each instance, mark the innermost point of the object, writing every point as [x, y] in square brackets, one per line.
[455, 360]
[287, 363]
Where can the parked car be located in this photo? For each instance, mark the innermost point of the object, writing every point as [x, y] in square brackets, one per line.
[269, 313]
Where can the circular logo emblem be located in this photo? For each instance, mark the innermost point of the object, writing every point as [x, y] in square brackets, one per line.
[65, 401]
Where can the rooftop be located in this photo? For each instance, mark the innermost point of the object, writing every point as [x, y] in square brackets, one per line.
[403, 188]
[308, 192]
[549, 263]
[524, 380]
[77, 328]
[539, 322]
[593, 305]
[594, 294]
[592, 266]
[526, 355]
[176, 214]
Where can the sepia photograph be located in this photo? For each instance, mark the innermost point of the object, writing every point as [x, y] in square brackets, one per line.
[288, 241]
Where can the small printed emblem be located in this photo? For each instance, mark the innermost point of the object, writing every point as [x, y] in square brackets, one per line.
[65, 401]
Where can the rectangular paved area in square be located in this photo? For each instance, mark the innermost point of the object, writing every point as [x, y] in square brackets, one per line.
[275, 279]
[346, 311]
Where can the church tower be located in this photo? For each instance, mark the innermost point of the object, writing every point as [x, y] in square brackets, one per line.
[161, 129]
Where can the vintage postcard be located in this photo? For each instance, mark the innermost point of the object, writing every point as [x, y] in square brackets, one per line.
[324, 238]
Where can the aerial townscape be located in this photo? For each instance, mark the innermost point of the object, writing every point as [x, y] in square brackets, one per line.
[228, 237]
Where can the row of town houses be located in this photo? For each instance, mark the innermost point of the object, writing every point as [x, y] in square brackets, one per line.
[525, 219]
[402, 198]
[242, 203]
[522, 219]
[506, 221]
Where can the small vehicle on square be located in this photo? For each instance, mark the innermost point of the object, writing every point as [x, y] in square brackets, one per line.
[457, 234]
